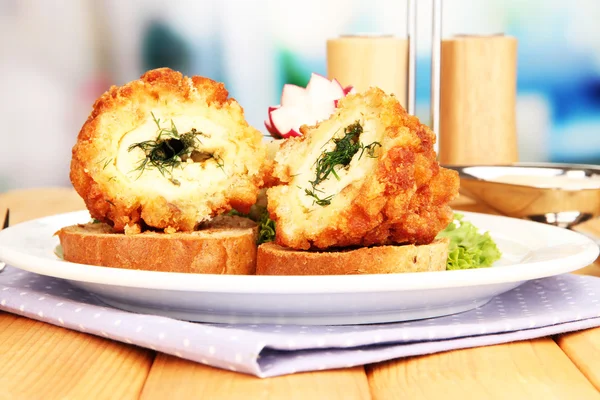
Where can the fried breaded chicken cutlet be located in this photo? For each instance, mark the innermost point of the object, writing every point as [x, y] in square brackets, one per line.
[366, 176]
[166, 152]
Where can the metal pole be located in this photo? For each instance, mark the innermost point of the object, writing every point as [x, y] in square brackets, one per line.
[411, 25]
[436, 40]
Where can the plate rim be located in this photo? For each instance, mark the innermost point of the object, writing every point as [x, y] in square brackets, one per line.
[261, 284]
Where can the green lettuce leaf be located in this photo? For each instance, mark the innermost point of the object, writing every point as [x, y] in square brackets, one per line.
[260, 215]
[469, 248]
[266, 228]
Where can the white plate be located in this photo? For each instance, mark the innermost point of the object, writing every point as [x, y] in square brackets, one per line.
[530, 251]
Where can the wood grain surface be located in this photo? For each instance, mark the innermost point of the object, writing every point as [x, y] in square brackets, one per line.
[36, 203]
[175, 378]
[583, 348]
[41, 361]
[534, 369]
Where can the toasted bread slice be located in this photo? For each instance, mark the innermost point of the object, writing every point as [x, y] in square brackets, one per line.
[226, 245]
[273, 259]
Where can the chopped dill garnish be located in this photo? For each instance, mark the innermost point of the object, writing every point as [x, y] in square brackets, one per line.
[112, 178]
[345, 149]
[110, 202]
[166, 152]
[107, 163]
[170, 149]
[321, 202]
[219, 162]
[370, 150]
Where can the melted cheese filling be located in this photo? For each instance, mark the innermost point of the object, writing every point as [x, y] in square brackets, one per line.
[354, 171]
[192, 176]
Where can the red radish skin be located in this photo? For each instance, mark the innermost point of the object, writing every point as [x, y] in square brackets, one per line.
[291, 133]
[272, 130]
[271, 109]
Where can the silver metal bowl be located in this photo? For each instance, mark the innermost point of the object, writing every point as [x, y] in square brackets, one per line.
[557, 194]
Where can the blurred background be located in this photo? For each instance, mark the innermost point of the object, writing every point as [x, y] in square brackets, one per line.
[57, 57]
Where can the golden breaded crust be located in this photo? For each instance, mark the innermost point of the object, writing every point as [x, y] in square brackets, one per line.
[108, 169]
[398, 195]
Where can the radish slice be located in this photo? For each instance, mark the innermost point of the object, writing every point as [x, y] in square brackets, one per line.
[272, 129]
[294, 96]
[321, 89]
[321, 111]
[305, 106]
[270, 126]
[290, 134]
[335, 81]
[337, 92]
[271, 109]
[285, 119]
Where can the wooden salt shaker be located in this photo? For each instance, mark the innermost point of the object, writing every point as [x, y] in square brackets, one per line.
[365, 61]
[478, 100]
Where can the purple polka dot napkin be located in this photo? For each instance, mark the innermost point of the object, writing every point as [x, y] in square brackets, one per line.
[537, 308]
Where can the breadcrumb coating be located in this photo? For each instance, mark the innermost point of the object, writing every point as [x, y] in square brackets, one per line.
[167, 152]
[385, 187]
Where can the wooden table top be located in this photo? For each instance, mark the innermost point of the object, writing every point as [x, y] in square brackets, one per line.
[43, 361]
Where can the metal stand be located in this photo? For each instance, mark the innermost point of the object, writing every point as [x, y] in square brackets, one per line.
[411, 24]
[436, 42]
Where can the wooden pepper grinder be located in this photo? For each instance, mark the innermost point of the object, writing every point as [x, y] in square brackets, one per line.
[478, 100]
[383, 61]
[365, 61]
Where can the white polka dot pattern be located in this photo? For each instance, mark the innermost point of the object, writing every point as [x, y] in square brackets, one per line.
[537, 308]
